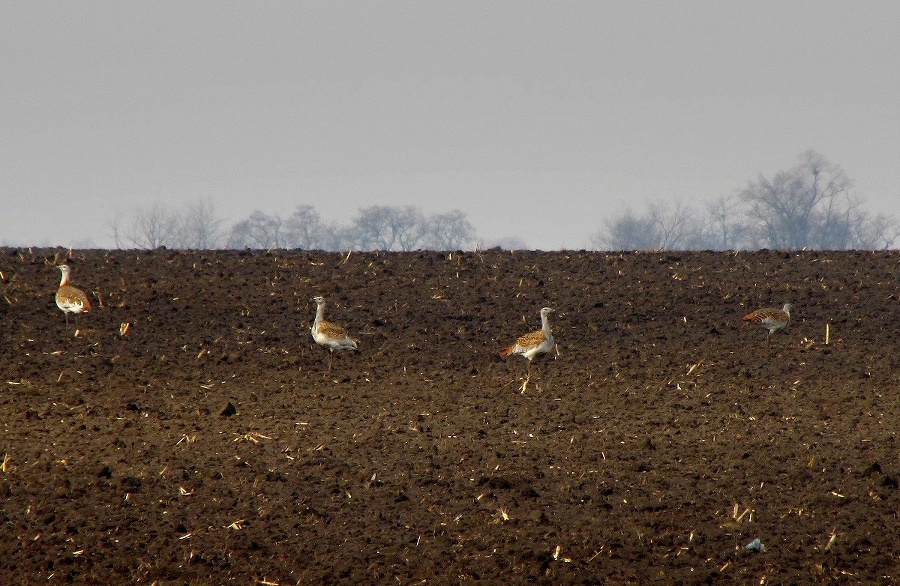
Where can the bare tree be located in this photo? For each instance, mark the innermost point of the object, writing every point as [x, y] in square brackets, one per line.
[725, 227]
[411, 228]
[627, 231]
[812, 206]
[878, 232]
[675, 225]
[389, 228]
[664, 225]
[117, 227]
[449, 231]
[151, 227]
[304, 229]
[807, 206]
[201, 228]
[337, 237]
[260, 231]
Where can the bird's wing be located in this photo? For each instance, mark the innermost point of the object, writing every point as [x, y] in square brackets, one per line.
[332, 330]
[766, 314]
[532, 339]
[73, 297]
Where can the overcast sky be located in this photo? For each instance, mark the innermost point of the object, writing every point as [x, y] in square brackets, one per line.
[537, 119]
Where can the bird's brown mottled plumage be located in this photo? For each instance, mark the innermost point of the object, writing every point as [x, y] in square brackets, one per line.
[771, 318]
[328, 334]
[68, 298]
[530, 345]
[534, 343]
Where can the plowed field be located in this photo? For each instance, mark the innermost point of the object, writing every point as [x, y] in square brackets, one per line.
[192, 432]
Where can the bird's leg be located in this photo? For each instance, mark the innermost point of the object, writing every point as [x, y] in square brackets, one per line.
[330, 358]
[527, 379]
[543, 369]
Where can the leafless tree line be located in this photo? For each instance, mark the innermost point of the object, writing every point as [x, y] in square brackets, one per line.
[374, 228]
[197, 226]
[808, 206]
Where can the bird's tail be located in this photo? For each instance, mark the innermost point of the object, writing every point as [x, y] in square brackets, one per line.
[750, 316]
[507, 351]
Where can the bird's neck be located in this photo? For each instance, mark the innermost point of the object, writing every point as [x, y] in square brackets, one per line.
[63, 280]
[545, 324]
[320, 313]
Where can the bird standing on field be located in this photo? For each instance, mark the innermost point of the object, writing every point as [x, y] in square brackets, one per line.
[771, 318]
[328, 334]
[530, 345]
[68, 298]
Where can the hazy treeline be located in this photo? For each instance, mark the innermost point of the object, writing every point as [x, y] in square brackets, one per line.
[197, 226]
[810, 205]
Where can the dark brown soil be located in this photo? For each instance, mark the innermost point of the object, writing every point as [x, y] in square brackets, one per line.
[210, 444]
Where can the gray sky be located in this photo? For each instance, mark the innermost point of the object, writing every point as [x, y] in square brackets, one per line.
[537, 119]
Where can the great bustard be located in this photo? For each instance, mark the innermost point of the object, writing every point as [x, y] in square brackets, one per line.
[530, 345]
[68, 298]
[771, 318]
[328, 334]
